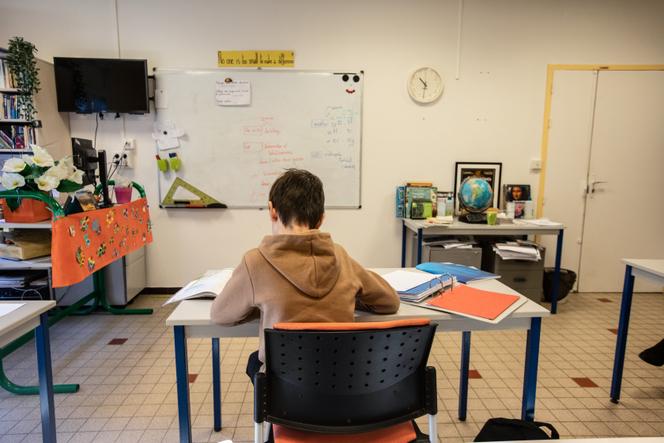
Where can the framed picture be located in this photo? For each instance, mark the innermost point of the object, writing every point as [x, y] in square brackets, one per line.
[516, 193]
[491, 172]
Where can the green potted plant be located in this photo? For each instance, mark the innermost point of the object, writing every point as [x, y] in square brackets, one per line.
[37, 173]
[22, 65]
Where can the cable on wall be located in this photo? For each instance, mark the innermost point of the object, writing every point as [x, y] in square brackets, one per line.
[459, 30]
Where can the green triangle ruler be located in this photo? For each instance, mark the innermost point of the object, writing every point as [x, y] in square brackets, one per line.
[203, 200]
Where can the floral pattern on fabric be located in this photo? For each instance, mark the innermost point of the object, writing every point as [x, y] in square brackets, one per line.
[82, 242]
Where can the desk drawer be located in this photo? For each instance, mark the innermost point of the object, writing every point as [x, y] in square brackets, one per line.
[528, 283]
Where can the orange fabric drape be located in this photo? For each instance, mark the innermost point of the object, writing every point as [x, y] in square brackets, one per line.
[86, 242]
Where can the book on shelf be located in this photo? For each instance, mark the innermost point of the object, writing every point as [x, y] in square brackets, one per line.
[208, 286]
[6, 78]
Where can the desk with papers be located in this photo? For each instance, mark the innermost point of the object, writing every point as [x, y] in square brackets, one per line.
[520, 227]
[191, 319]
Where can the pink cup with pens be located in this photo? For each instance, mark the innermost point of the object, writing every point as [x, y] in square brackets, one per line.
[123, 194]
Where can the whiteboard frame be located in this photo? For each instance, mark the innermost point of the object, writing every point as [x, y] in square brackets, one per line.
[156, 70]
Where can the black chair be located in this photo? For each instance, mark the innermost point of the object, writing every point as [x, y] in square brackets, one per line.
[363, 380]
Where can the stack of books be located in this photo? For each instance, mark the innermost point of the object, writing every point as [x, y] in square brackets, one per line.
[416, 200]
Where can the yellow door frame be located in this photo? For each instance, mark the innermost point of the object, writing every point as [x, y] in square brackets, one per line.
[550, 71]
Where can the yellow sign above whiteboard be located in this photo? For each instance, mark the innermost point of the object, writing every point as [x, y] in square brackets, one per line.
[255, 59]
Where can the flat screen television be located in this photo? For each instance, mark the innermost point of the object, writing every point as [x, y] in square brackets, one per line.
[90, 85]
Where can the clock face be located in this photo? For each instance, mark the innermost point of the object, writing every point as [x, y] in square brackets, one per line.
[425, 85]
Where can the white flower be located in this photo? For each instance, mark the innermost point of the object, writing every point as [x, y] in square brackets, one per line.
[68, 163]
[41, 157]
[47, 182]
[58, 171]
[28, 159]
[13, 164]
[76, 177]
[11, 180]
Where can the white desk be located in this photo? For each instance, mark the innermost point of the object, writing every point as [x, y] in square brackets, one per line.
[192, 319]
[458, 228]
[650, 269]
[33, 315]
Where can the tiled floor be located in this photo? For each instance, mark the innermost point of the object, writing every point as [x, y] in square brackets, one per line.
[128, 387]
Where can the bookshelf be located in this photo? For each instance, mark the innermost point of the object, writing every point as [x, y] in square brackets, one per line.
[50, 129]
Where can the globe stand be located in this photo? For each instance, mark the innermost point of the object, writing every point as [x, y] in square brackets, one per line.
[472, 217]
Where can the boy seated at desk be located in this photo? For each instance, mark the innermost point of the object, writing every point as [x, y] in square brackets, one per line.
[298, 274]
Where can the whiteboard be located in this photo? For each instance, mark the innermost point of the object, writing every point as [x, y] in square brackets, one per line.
[294, 119]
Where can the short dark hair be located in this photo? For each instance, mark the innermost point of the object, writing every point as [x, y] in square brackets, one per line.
[297, 195]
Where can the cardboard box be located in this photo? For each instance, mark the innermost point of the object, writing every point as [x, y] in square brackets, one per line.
[24, 245]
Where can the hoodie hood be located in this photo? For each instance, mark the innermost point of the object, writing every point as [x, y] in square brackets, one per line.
[307, 260]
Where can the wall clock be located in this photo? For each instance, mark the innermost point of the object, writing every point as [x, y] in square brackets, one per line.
[425, 85]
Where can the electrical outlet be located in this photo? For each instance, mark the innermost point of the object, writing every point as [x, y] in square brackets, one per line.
[127, 160]
[535, 164]
[129, 144]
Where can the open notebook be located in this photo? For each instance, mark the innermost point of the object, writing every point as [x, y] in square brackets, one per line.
[208, 286]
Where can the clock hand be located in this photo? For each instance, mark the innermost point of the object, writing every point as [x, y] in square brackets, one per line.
[423, 82]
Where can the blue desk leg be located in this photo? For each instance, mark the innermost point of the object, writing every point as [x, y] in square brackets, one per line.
[182, 381]
[404, 231]
[419, 246]
[530, 372]
[45, 380]
[621, 343]
[556, 276]
[463, 379]
[216, 384]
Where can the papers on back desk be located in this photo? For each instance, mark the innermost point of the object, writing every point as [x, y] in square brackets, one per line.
[208, 286]
[508, 251]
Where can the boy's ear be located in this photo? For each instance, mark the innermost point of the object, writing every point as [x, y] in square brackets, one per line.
[273, 212]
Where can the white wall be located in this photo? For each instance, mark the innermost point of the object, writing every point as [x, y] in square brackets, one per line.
[493, 112]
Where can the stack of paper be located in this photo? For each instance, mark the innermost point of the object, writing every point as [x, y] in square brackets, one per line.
[537, 221]
[441, 220]
[457, 244]
[514, 251]
[414, 287]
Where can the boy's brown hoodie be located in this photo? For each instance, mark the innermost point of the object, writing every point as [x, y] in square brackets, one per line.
[300, 278]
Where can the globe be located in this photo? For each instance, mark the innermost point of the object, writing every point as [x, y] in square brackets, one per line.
[475, 194]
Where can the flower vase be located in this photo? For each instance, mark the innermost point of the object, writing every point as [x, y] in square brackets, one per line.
[28, 211]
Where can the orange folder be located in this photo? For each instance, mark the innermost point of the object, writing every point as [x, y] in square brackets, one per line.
[474, 302]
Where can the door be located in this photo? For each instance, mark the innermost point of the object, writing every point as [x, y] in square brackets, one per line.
[605, 135]
[570, 131]
[625, 200]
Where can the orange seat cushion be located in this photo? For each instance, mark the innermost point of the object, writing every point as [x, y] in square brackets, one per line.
[400, 433]
[352, 326]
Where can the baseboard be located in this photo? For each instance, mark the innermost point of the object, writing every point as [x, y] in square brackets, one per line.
[159, 291]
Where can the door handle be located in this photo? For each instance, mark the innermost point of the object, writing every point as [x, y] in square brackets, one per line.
[592, 186]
